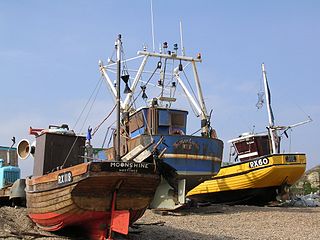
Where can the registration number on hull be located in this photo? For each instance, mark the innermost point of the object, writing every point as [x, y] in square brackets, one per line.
[64, 178]
[258, 162]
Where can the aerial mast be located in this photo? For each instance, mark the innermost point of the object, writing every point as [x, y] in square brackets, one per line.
[152, 27]
[183, 53]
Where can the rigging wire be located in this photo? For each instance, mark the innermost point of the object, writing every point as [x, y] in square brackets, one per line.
[91, 106]
[194, 95]
[105, 137]
[84, 108]
[85, 120]
[97, 128]
[113, 132]
[134, 100]
[196, 132]
[144, 118]
[190, 103]
[302, 110]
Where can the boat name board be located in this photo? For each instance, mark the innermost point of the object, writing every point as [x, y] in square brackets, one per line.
[129, 166]
[64, 178]
[258, 162]
[186, 144]
[132, 167]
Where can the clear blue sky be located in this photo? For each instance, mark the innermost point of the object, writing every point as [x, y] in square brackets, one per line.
[49, 52]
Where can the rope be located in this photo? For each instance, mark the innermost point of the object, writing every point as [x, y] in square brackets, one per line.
[301, 109]
[196, 132]
[78, 119]
[85, 120]
[113, 131]
[194, 95]
[141, 90]
[105, 137]
[97, 128]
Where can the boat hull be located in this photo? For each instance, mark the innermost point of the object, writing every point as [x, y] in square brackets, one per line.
[257, 181]
[85, 198]
[192, 158]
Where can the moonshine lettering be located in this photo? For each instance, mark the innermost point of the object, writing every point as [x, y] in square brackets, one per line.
[128, 165]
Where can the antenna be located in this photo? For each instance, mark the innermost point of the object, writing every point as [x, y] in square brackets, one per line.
[181, 41]
[152, 26]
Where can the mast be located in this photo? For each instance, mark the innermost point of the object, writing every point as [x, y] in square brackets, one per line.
[152, 27]
[118, 48]
[183, 53]
[271, 129]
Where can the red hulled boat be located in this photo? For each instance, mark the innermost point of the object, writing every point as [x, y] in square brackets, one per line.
[72, 186]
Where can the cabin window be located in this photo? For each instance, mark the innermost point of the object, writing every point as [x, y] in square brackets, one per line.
[164, 121]
[137, 132]
[246, 147]
[178, 120]
[136, 124]
[164, 118]
[263, 145]
[178, 123]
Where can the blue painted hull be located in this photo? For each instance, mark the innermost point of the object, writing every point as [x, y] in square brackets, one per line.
[193, 158]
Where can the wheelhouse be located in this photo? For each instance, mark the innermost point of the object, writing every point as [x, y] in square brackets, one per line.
[157, 121]
[249, 146]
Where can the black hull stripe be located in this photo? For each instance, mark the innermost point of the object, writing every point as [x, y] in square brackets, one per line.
[250, 196]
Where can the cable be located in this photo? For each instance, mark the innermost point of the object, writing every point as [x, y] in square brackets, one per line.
[97, 128]
[145, 84]
[105, 137]
[85, 120]
[87, 103]
[194, 95]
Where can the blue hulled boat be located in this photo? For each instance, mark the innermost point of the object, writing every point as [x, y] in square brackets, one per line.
[185, 160]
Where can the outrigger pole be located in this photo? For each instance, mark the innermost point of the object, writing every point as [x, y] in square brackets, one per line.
[271, 129]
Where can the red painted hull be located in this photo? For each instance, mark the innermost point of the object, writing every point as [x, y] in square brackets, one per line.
[97, 223]
[89, 199]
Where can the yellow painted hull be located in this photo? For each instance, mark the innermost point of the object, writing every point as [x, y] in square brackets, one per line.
[263, 176]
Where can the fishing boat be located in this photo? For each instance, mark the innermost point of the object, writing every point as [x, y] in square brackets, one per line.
[185, 159]
[72, 186]
[260, 173]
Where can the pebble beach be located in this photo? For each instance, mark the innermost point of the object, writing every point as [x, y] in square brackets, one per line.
[216, 222]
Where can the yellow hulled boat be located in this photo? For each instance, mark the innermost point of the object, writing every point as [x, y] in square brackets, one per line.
[257, 181]
[260, 172]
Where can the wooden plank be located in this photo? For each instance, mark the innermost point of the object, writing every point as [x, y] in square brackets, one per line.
[51, 177]
[58, 206]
